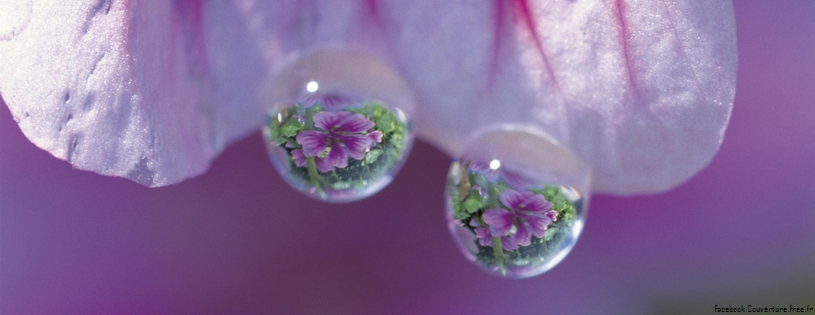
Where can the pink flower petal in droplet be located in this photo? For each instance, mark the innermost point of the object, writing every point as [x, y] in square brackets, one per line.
[499, 220]
[522, 237]
[355, 145]
[552, 215]
[513, 199]
[314, 142]
[342, 122]
[337, 157]
[376, 136]
[538, 224]
[484, 236]
[509, 243]
[299, 157]
[330, 102]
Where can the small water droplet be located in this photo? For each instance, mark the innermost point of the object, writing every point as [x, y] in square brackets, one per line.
[336, 147]
[508, 217]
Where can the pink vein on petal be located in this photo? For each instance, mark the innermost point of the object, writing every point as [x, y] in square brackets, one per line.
[189, 16]
[625, 38]
[373, 12]
[527, 20]
[498, 26]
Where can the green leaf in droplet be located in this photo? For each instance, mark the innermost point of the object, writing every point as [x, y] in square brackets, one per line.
[385, 123]
[549, 233]
[473, 203]
[291, 127]
[372, 156]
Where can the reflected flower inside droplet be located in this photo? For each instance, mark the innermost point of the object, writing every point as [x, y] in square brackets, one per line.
[507, 223]
[336, 147]
[337, 137]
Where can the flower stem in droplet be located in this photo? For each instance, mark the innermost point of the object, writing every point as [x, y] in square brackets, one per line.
[496, 247]
[500, 257]
[312, 171]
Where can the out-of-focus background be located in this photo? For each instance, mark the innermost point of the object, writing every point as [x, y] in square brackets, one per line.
[238, 240]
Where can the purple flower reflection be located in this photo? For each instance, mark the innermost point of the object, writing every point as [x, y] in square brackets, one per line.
[343, 133]
[330, 102]
[484, 168]
[529, 214]
[299, 157]
[512, 179]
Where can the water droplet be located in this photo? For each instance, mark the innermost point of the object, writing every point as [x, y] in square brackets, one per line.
[516, 203]
[339, 128]
[336, 146]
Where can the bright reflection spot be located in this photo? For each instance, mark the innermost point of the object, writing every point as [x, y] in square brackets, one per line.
[312, 86]
[495, 164]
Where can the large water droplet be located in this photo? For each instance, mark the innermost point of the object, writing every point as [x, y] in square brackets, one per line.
[516, 204]
[344, 138]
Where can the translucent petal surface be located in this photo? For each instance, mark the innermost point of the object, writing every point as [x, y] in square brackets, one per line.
[151, 91]
[640, 90]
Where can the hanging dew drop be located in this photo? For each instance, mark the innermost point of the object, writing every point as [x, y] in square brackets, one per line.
[339, 128]
[338, 155]
[514, 231]
[516, 217]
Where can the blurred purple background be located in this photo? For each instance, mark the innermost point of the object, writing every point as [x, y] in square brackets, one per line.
[238, 240]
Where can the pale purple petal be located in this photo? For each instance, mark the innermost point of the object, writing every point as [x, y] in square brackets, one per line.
[524, 202]
[509, 243]
[151, 91]
[299, 157]
[342, 121]
[484, 169]
[537, 224]
[330, 120]
[484, 236]
[309, 100]
[331, 102]
[336, 157]
[479, 166]
[534, 203]
[521, 236]
[375, 135]
[552, 215]
[640, 90]
[323, 165]
[334, 102]
[354, 123]
[473, 222]
[499, 220]
[313, 142]
[355, 145]
[513, 199]
[516, 181]
[645, 117]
